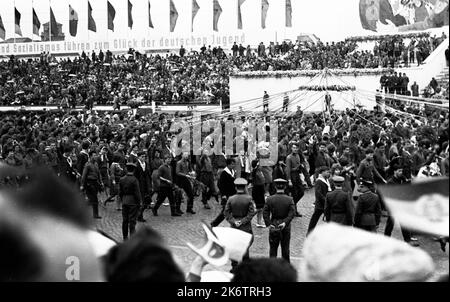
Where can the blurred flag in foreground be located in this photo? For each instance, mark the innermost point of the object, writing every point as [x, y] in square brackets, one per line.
[422, 206]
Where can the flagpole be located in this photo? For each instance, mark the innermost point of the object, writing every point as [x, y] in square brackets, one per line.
[192, 19]
[87, 2]
[14, 21]
[50, 23]
[107, 22]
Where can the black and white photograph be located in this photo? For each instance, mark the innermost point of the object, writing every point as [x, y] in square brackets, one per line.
[190, 142]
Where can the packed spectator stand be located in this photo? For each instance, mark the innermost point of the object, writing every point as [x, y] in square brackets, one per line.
[200, 77]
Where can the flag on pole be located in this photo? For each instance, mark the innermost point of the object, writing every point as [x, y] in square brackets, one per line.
[150, 23]
[288, 13]
[91, 22]
[130, 15]
[53, 23]
[240, 13]
[17, 17]
[217, 13]
[111, 16]
[173, 16]
[36, 23]
[2, 29]
[195, 9]
[264, 9]
[73, 21]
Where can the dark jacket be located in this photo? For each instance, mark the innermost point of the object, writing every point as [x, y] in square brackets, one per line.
[82, 159]
[129, 191]
[367, 171]
[226, 184]
[240, 207]
[68, 171]
[338, 207]
[279, 208]
[368, 210]
[321, 191]
[144, 178]
[91, 174]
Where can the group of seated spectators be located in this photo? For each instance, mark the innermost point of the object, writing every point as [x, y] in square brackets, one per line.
[194, 77]
[114, 80]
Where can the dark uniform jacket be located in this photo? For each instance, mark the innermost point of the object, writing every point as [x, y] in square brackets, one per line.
[240, 207]
[279, 208]
[367, 171]
[91, 174]
[129, 191]
[368, 209]
[338, 207]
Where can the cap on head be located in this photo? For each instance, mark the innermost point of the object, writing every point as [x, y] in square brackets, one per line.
[338, 180]
[280, 181]
[240, 182]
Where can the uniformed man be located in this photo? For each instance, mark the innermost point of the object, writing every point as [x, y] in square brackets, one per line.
[130, 194]
[278, 213]
[338, 205]
[91, 182]
[239, 212]
[368, 208]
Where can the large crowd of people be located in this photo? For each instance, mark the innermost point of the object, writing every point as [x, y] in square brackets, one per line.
[126, 157]
[111, 140]
[129, 159]
[195, 77]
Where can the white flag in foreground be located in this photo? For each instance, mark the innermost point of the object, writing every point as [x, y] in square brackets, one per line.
[422, 206]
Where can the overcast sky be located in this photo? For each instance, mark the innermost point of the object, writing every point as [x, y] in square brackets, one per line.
[329, 19]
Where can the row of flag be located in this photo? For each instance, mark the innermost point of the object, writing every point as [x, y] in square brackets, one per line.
[92, 26]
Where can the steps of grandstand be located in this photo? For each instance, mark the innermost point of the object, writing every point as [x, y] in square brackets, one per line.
[443, 77]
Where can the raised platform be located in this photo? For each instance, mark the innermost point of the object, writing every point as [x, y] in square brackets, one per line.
[247, 88]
